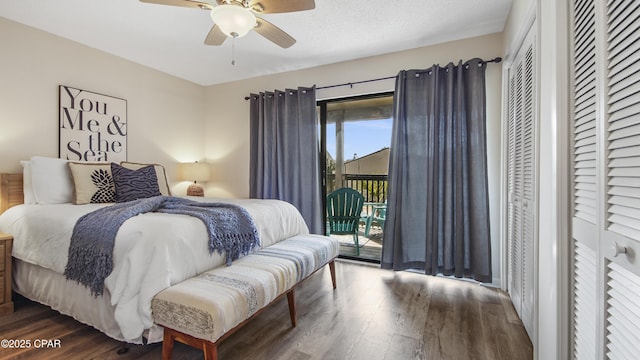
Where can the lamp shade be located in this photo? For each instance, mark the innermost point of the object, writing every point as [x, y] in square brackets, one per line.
[196, 171]
[233, 20]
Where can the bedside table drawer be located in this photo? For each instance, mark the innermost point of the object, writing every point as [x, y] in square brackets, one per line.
[6, 305]
[3, 256]
[2, 290]
[2, 272]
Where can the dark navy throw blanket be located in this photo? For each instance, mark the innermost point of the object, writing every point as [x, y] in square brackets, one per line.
[231, 229]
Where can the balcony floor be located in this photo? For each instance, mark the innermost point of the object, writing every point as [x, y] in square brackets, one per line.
[370, 247]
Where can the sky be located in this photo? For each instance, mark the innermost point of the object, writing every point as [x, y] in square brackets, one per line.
[360, 137]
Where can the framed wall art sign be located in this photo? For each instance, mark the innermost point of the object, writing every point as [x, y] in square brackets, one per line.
[92, 127]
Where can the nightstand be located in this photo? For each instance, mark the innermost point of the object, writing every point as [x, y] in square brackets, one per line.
[6, 305]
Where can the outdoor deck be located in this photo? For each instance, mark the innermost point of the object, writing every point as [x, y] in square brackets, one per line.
[370, 248]
[374, 189]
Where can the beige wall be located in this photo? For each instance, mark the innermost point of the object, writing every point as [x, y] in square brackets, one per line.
[165, 114]
[227, 113]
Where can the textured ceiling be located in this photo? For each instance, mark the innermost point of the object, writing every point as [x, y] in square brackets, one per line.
[170, 39]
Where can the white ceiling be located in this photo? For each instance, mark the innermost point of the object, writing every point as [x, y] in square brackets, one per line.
[170, 39]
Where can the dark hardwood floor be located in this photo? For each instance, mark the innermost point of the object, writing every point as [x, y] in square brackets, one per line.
[374, 314]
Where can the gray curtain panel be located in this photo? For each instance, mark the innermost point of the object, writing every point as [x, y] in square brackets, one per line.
[284, 151]
[438, 204]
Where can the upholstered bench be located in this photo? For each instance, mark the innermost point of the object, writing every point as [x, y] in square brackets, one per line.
[204, 310]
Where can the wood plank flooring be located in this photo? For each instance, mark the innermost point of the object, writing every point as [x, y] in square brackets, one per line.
[374, 314]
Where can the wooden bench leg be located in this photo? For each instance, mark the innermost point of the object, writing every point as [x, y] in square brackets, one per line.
[291, 298]
[210, 350]
[332, 270]
[170, 336]
[167, 344]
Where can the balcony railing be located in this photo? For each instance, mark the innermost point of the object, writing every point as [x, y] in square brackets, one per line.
[373, 187]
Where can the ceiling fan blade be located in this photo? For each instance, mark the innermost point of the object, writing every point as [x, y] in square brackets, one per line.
[215, 36]
[279, 6]
[181, 3]
[273, 33]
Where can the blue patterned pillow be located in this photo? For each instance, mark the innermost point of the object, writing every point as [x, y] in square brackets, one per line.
[134, 184]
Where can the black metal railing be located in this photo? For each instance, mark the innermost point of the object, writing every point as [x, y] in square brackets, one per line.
[373, 187]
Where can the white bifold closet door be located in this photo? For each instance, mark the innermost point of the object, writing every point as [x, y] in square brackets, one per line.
[606, 179]
[521, 181]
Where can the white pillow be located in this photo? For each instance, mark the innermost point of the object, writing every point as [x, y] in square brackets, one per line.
[27, 188]
[51, 180]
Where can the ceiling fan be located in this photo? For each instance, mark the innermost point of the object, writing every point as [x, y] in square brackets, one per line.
[235, 18]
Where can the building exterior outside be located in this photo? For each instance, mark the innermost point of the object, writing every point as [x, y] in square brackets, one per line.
[376, 163]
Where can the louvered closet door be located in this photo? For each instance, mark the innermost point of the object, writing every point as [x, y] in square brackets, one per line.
[622, 181]
[606, 216]
[521, 184]
[515, 187]
[528, 189]
[585, 272]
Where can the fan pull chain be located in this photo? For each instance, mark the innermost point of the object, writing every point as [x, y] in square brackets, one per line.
[233, 51]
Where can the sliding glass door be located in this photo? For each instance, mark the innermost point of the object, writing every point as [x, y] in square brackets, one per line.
[356, 135]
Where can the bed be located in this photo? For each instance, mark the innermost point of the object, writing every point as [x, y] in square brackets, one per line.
[152, 252]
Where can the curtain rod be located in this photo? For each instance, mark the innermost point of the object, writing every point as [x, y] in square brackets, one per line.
[350, 84]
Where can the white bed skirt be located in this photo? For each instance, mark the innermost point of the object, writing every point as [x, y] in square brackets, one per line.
[70, 298]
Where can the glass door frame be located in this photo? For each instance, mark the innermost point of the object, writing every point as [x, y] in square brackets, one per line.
[322, 105]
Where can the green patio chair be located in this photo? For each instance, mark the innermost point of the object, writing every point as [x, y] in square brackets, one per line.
[377, 217]
[343, 213]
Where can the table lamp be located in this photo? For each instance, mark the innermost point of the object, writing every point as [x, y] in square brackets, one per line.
[195, 172]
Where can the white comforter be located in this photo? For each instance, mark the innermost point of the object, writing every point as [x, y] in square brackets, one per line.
[152, 251]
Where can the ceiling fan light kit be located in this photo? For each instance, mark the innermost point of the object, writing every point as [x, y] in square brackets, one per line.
[235, 18]
[234, 21]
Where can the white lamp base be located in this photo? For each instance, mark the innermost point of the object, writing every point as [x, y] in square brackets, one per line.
[195, 190]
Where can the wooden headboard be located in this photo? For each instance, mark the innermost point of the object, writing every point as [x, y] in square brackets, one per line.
[11, 191]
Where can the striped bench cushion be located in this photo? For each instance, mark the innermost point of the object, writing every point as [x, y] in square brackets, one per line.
[216, 301]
